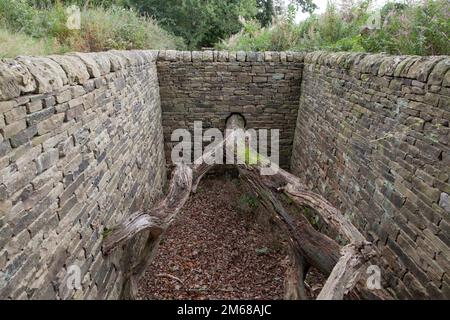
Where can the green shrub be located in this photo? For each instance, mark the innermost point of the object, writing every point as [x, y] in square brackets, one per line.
[17, 15]
[107, 28]
[418, 29]
[348, 44]
[422, 30]
[119, 28]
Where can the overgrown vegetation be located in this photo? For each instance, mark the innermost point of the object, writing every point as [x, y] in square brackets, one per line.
[398, 28]
[130, 24]
[39, 28]
[202, 23]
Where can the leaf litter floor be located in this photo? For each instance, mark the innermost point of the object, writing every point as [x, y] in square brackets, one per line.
[212, 251]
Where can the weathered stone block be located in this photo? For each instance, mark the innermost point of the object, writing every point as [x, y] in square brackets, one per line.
[170, 55]
[278, 76]
[48, 74]
[74, 67]
[117, 62]
[259, 79]
[222, 56]
[6, 106]
[439, 71]
[53, 141]
[36, 117]
[47, 159]
[74, 112]
[20, 179]
[14, 128]
[91, 65]
[102, 60]
[50, 124]
[251, 57]
[241, 56]
[34, 106]
[14, 80]
[23, 136]
[444, 202]
[3, 196]
[16, 114]
[197, 56]
[77, 91]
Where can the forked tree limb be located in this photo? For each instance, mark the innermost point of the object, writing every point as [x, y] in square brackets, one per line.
[296, 273]
[330, 214]
[158, 219]
[312, 246]
[346, 272]
[292, 186]
[318, 249]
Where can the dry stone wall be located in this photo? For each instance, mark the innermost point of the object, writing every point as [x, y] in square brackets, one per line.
[373, 137]
[208, 86]
[81, 146]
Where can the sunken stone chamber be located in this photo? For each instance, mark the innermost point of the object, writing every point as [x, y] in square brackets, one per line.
[85, 138]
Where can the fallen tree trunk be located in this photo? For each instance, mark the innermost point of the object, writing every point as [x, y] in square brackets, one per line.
[158, 219]
[345, 273]
[316, 248]
[155, 221]
[294, 282]
[319, 250]
[185, 179]
[310, 247]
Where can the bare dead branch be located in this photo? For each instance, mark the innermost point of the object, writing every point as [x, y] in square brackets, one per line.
[310, 247]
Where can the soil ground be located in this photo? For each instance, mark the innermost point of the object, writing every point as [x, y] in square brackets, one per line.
[214, 251]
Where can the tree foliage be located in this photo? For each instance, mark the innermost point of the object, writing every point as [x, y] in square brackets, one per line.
[202, 23]
[266, 10]
[199, 22]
